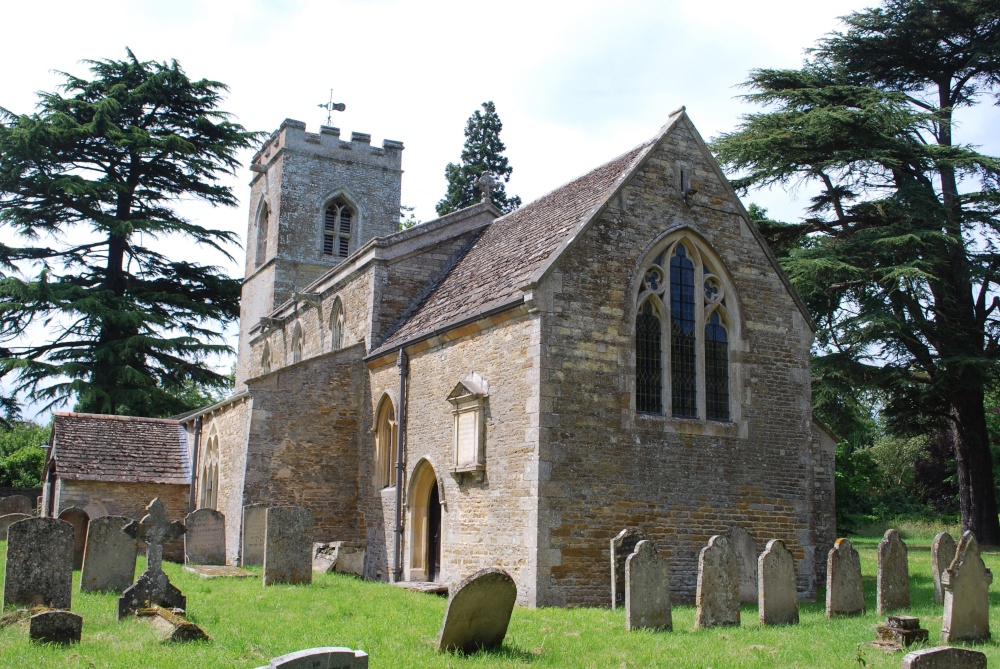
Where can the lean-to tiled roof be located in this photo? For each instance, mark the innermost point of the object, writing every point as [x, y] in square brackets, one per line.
[125, 449]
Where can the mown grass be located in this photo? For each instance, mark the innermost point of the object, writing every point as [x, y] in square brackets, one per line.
[250, 624]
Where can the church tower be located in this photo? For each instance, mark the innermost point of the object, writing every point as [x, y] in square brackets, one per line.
[314, 200]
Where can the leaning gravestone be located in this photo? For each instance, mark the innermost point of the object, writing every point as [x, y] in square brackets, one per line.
[321, 658]
[79, 519]
[39, 567]
[778, 602]
[8, 520]
[647, 589]
[288, 545]
[254, 532]
[718, 597]
[893, 574]
[55, 627]
[15, 504]
[478, 612]
[845, 595]
[622, 546]
[942, 555]
[944, 657]
[109, 559]
[746, 558]
[966, 594]
[205, 539]
[153, 586]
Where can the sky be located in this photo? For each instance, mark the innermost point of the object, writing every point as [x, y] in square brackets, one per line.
[575, 84]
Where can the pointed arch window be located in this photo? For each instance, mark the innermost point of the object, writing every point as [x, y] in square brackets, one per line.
[297, 343]
[338, 222]
[337, 323]
[209, 498]
[385, 444]
[265, 359]
[263, 220]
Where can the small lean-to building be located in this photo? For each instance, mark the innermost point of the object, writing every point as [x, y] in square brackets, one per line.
[511, 390]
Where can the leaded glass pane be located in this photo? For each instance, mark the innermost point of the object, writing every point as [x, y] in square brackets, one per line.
[648, 365]
[683, 374]
[716, 369]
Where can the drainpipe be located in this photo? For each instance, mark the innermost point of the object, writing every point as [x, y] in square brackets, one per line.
[194, 463]
[397, 539]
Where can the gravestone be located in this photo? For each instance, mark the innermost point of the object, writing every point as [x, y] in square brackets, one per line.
[942, 555]
[39, 568]
[778, 601]
[8, 520]
[746, 558]
[321, 658]
[15, 504]
[899, 632]
[622, 546]
[153, 586]
[718, 597]
[109, 559]
[79, 519]
[845, 595]
[647, 589]
[478, 612]
[62, 627]
[341, 557]
[966, 594]
[205, 539]
[254, 531]
[288, 545]
[893, 592]
[944, 657]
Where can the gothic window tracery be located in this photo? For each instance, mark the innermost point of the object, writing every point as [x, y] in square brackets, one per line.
[385, 444]
[209, 497]
[338, 220]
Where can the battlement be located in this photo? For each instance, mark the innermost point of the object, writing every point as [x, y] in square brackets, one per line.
[292, 135]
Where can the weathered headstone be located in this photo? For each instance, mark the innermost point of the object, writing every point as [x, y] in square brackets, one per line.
[153, 586]
[718, 596]
[900, 632]
[778, 600]
[966, 594]
[942, 555]
[845, 595]
[8, 520]
[55, 627]
[893, 574]
[79, 519]
[254, 533]
[39, 567]
[746, 558]
[321, 658]
[622, 546]
[109, 559]
[944, 657]
[15, 504]
[171, 626]
[478, 612]
[342, 557]
[647, 589]
[288, 545]
[205, 539]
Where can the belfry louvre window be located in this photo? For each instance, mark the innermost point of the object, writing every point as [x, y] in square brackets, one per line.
[682, 296]
[337, 221]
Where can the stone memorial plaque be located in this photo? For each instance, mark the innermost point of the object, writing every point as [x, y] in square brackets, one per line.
[845, 595]
[647, 589]
[746, 558]
[16, 504]
[893, 592]
[942, 555]
[39, 568]
[944, 657]
[62, 627]
[8, 520]
[205, 539]
[966, 594]
[79, 519]
[321, 658]
[778, 599]
[109, 558]
[478, 612]
[622, 546]
[718, 595]
[288, 545]
[254, 531]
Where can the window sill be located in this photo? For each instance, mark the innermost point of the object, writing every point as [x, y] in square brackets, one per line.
[687, 426]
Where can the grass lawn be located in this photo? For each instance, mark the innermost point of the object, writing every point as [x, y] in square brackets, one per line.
[250, 624]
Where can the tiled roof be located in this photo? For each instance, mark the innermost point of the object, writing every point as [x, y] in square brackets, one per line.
[91, 447]
[510, 251]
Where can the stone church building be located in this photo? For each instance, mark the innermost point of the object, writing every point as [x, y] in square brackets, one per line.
[488, 390]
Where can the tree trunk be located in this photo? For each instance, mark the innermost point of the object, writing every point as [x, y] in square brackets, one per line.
[974, 462]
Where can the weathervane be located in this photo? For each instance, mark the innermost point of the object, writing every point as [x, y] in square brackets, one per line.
[331, 107]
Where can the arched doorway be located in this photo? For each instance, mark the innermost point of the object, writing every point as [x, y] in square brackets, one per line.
[425, 524]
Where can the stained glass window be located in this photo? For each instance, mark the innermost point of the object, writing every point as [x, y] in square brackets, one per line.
[683, 359]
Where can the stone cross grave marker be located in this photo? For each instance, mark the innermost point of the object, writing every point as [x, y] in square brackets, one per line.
[718, 596]
[778, 599]
[746, 558]
[15, 504]
[966, 594]
[39, 568]
[321, 658]
[647, 589]
[478, 612]
[942, 555]
[62, 627]
[109, 559]
[79, 519]
[8, 520]
[944, 657]
[288, 545]
[254, 532]
[845, 595]
[205, 539]
[893, 592]
[153, 586]
[622, 546]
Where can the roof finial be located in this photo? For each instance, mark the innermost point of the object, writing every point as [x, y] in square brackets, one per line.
[486, 184]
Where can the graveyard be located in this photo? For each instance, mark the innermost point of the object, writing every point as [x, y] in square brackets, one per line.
[248, 624]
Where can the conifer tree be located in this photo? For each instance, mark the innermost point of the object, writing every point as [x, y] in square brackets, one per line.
[90, 306]
[482, 153]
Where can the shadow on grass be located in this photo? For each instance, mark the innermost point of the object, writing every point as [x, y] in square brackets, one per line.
[504, 652]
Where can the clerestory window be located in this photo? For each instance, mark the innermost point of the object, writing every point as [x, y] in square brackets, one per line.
[338, 220]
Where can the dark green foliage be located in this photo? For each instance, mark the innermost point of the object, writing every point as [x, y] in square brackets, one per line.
[21, 455]
[899, 262]
[88, 184]
[482, 153]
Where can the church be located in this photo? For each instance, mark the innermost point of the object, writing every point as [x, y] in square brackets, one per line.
[487, 390]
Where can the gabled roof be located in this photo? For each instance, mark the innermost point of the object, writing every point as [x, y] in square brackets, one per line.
[122, 449]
